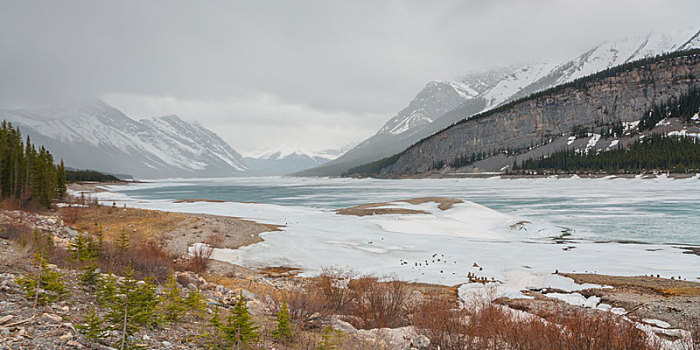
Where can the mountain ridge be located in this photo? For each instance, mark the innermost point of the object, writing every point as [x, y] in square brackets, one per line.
[547, 119]
[95, 135]
[498, 86]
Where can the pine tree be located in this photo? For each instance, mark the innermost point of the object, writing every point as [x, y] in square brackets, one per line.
[50, 283]
[91, 276]
[240, 328]
[194, 301]
[93, 327]
[173, 306]
[284, 331]
[132, 307]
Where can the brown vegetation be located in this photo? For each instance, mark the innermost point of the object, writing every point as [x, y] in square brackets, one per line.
[645, 284]
[141, 223]
[444, 203]
[70, 215]
[200, 258]
[491, 326]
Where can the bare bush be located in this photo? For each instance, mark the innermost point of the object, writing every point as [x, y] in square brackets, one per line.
[201, 258]
[214, 240]
[331, 286]
[149, 260]
[304, 307]
[495, 327]
[70, 215]
[10, 204]
[14, 231]
[441, 320]
[379, 304]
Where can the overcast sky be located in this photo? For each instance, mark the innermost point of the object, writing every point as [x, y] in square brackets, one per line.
[290, 74]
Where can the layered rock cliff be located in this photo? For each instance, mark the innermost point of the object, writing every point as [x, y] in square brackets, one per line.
[623, 95]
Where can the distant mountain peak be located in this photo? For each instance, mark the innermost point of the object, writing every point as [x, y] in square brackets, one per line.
[441, 103]
[95, 135]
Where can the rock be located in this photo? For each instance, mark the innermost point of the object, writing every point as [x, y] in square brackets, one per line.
[248, 295]
[146, 337]
[421, 342]
[51, 317]
[187, 278]
[74, 344]
[221, 289]
[21, 332]
[167, 344]
[5, 319]
[66, 337]
[342, 326]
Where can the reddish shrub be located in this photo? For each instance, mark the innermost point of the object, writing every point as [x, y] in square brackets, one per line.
[201, 258]
[379, 304]
[70, 215]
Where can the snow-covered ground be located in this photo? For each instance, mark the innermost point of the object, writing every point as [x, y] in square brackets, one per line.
[440, 247]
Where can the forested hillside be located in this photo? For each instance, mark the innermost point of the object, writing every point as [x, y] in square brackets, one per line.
[634, 97]
[28, 176]
[674, 154]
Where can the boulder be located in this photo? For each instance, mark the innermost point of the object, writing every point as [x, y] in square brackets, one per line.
[421, 342]
[187, 278]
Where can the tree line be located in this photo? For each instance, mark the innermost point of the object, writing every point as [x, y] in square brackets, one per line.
[684, 107]
[654, 152]
[28, 175]
[89, 175]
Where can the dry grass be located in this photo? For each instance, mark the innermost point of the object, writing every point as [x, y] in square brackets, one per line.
[375, 209]
[645, 284]
[444, 203]
[141, 223]
[70, 215]
[201, 258]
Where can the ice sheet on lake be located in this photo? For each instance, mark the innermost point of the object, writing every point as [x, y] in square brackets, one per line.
[442, 246]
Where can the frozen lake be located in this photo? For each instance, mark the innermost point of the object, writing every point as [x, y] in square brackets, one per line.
[610, 226]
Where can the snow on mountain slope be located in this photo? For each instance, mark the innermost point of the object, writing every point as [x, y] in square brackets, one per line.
[276, 163]
[97, 136]
[442, 103]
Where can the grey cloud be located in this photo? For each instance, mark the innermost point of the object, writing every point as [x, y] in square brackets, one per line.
[362, 59]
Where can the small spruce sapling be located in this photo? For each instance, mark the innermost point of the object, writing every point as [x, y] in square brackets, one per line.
[240, 328]
[284, 331]
[93, 327]
[49, 282]
[173, 305]
[194, 301]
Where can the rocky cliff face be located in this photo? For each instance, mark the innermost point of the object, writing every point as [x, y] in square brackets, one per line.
[624, 96]
[430, 110]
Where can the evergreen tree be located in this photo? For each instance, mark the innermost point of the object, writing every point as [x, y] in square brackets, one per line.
[93, 327]
[27, 175]
[173, 305]
[284, 331]
[132, 307]
[45, 286]
[239, 328]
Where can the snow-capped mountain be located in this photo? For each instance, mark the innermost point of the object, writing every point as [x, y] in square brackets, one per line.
[435, 106]
[94, 135]
[277, 163]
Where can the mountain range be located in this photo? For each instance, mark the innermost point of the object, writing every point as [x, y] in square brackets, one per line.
[278, 163]
[442, 103]
[94, 135]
